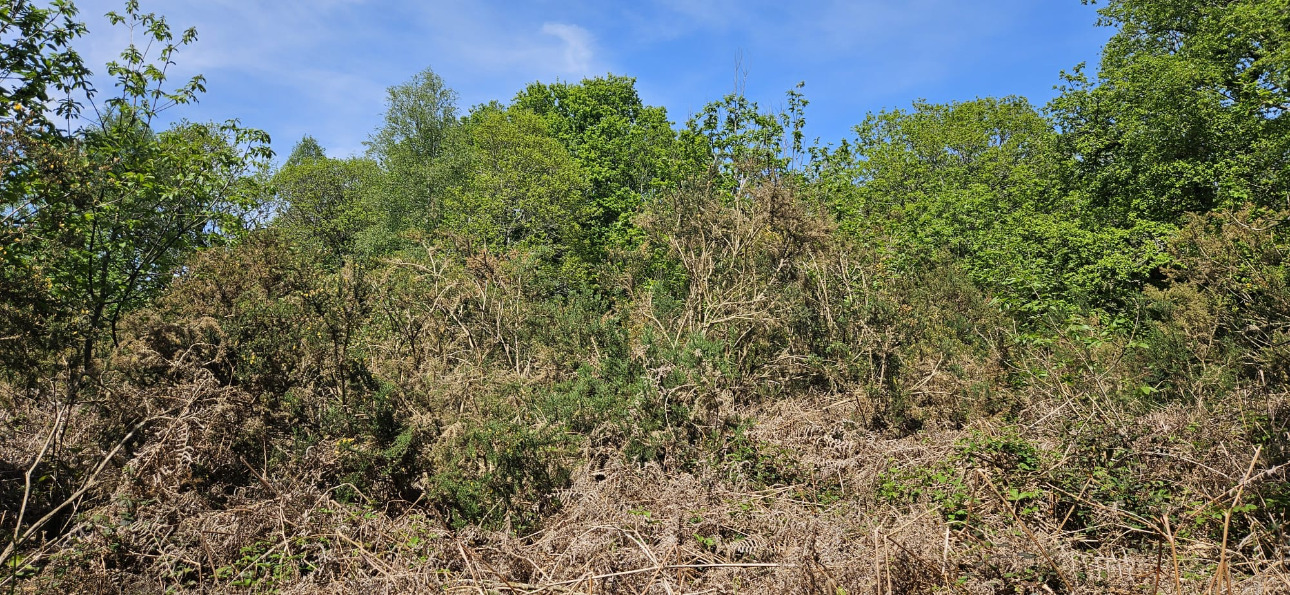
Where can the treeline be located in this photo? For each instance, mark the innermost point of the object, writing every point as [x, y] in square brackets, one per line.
[495, 302]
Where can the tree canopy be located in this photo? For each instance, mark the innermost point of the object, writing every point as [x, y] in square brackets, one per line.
[1187, 110]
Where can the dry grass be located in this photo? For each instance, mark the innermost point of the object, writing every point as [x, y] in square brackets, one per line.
[642, 529]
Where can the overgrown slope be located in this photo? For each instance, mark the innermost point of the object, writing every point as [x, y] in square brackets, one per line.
[560, 345]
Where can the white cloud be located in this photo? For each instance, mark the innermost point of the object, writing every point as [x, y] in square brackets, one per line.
[321, 66]
[577, 46]
[274, 64]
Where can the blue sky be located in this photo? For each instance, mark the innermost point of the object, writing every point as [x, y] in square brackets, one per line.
[321, 67]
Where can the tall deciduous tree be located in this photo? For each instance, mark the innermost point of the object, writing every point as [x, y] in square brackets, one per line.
[1187, 112]
[518, 184]
[621, 144]
[420, 116]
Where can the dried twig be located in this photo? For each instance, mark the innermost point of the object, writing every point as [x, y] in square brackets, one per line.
[89, 483]
[1223, 573]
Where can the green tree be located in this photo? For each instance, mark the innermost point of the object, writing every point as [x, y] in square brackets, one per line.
[623, 146]
[1187, 111]
[907, 163]
[420, 117]
[305, 151]
[739, 143]
[983, 183]
[518, 185]
[103, 219]
[325, 201]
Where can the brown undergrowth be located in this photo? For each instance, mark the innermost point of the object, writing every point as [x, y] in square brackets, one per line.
[757, 406]
[857, 511]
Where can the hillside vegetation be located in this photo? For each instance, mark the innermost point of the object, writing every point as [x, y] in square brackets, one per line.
[563, 344]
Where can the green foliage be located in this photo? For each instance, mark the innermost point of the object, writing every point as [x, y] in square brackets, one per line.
[758, 466]
[140, 75]
[263, 567]
[418, 116]
[326, 204]
[413, 147]
[942, 485]
[485, 308]
[1187, 112]
[101, 220]
[623, 147]
[745, 144]
[983, 183]
[34, 320]
[200, 176]
[1104, 468]
[952, 485]
[1221, 317]
[305, 151]
[520, 187]
[36, 58]
[497, 472]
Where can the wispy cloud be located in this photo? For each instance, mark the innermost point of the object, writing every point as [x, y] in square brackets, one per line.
[577, 46]
[487, 40]
[286, 60]
[321, 66]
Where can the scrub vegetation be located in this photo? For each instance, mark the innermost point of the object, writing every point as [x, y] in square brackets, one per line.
[563, 344]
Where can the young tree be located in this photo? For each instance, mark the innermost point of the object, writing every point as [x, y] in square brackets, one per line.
[105, 217]
[96, 223]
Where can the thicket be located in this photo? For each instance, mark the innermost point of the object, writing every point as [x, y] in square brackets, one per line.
[562, 343]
